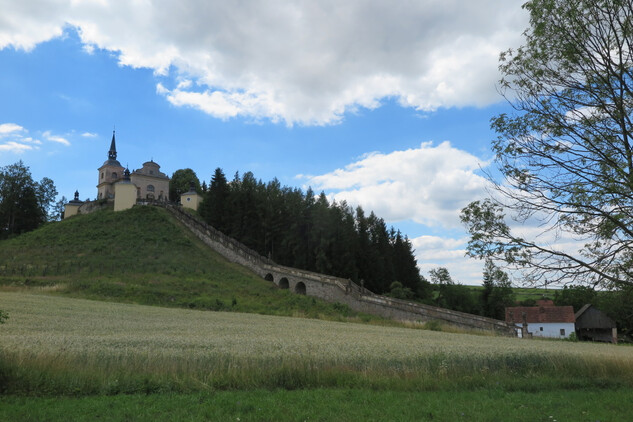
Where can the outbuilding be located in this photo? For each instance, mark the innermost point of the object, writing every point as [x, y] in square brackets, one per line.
[594, 325]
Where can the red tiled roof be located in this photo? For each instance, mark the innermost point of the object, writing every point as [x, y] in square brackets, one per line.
[544, 314]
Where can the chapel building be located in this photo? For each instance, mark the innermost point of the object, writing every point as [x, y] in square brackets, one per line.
[150, 182]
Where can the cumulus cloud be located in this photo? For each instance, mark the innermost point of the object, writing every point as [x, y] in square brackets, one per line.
[429, 184]
[290, 61]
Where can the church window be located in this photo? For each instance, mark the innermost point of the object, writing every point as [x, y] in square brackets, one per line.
[150, 188]
[102, 175]
[114, 175]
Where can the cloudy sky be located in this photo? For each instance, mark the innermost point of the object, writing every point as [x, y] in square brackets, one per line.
[385, 104]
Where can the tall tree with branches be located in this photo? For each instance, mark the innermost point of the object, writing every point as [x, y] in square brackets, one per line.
[566, 151]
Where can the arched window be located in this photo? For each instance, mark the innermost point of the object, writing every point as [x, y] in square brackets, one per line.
[114, 175]
[150, 188]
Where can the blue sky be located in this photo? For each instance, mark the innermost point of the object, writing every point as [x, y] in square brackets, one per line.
[382, 104]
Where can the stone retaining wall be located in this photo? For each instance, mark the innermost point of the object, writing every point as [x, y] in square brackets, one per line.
[329, 288]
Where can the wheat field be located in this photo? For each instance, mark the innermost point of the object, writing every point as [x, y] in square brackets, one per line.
[104, 346]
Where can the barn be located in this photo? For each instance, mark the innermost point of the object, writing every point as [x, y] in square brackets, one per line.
[594, 325]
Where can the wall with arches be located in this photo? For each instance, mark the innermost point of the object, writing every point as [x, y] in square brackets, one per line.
[329, 288]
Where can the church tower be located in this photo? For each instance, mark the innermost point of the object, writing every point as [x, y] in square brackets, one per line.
[109, 173]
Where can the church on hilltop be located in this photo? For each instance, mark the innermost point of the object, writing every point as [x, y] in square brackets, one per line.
[150, 182]
[117, 185]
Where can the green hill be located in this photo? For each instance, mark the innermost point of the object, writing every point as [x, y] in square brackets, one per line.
[144, 256]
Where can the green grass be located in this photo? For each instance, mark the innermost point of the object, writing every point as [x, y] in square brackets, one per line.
[75, 359]
[144, 256]
[329, 405]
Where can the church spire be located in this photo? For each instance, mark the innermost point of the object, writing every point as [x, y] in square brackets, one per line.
[112, 152]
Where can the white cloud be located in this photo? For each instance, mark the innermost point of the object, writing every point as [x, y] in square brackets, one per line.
[89, 135]
[55, 138]
[291, 61]
[16, 139]
[432, 252]
[30, 140]
[16, 147]
[429, 184]
[9, 129]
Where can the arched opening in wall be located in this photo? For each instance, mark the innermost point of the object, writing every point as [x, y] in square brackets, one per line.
[300, 288]
[269, 277]
[283, 283]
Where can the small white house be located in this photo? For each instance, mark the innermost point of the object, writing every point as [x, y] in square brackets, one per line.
[544, 320]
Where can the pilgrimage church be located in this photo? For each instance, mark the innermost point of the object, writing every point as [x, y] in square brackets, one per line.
[149, 181]
[124, 189]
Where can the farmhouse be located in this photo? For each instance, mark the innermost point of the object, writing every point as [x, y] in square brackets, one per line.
[594, 325]
[544, 320]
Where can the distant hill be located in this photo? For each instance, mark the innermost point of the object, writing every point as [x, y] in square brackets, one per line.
[144, 256]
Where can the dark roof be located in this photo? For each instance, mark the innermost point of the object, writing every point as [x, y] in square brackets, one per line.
[582, 310]
[112, 151]
[591, 317]
[112, 162]
[544, 314]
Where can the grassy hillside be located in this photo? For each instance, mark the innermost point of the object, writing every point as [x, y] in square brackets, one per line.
[525, 293]
[144, 256]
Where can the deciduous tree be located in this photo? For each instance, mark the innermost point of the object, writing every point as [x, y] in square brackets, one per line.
[180, 183]
[565, 153]
[24, 203]
[497, 293]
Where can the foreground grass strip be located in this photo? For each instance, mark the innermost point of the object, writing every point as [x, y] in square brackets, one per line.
[329, 405]
[53, 345]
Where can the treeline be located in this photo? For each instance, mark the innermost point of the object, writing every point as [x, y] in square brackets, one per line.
[306, 231]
